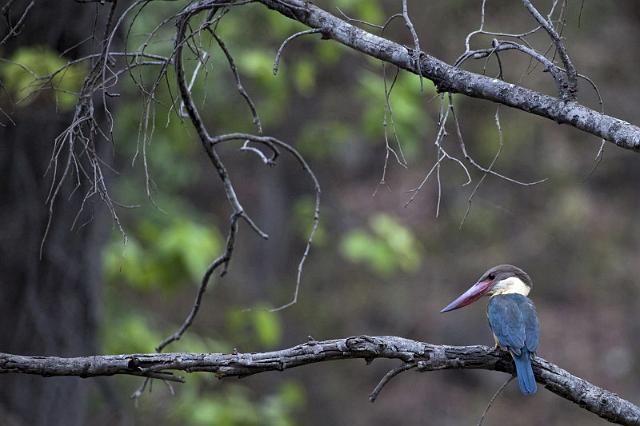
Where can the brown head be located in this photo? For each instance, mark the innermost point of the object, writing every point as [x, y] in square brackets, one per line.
[501, 279]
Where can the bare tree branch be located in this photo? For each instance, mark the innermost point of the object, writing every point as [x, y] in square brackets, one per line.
[276, 62]
[493, 399]
[79, 139]
[425, 357]
[15, 29]
[451, 79]
[570, 87]
[238, 211]
[209, 144]
[387, 378]
[416, 42]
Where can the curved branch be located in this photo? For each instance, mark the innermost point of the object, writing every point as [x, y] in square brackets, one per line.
[425, 356]
[238, 212]
[502, 45]
[276, 62]
[209, 144]
[448, 78]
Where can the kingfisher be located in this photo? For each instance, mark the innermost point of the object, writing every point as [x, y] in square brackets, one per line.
[512, 316]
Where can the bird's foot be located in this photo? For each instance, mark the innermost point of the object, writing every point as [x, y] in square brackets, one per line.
[499, 348]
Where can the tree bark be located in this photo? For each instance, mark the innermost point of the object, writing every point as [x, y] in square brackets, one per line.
[448, 78]
[419, 355]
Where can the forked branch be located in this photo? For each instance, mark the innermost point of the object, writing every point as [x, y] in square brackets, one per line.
[209, 143]
[448, 78]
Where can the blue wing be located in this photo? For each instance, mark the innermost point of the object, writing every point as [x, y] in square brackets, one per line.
[531, 327]
[507, 322]
[514, 322]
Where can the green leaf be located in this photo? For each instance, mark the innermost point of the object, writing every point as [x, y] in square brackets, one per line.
[267, 327]
[304, 77]
[399, 239]
[327, 54]
[258, 324]
[165, 254]
[387, 248]
[33, 70]
[130, 333]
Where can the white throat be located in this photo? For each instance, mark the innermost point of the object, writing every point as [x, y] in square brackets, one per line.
[511, 285]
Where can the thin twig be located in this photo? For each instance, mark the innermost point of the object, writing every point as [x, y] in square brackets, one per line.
[387, 378]
[389, 120]
[15, 29]
[571, 85]
[316, 185]
[417, 51]
[218, 262]
[225, 257]
[276, 62]
[239, 86]
[493, 398]
[209, 143]
[470, 159]
[493, 162]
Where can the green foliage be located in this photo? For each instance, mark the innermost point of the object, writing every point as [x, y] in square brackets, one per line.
[235, 407]
[161, 255]
[279, 28]
[31, 69]
[267, 327]
[327, 54]
[406, 104]
[369, 11]
[515, 132]
[257, 67]
[277, 409]
[130, 333]
[167, 253]
[322, 139]
[304, 77]
[259, 323]
[386, 248]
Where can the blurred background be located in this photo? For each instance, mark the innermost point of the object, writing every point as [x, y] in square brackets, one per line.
[376, 266]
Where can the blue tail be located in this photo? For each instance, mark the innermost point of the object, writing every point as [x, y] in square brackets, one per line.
[526, 379]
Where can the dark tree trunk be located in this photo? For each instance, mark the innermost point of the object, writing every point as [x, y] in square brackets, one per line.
[48, 305]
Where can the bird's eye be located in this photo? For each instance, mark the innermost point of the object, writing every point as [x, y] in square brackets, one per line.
[492, 276]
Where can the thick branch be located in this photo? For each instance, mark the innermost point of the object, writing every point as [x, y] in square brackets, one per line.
[425, 356]
[451, 79]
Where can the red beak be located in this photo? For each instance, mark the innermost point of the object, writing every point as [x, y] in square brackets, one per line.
[474, 293]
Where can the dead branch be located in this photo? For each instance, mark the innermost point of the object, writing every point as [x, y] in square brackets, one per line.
[276, 62]
[209, 144]
[424, 356]
[448, 78]
[570, 86]
[238, 211]
[493, 399]
[14, 29]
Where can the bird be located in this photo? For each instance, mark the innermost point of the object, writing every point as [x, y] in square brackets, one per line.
[512, 317]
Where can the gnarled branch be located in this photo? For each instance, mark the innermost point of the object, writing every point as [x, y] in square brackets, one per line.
[425, 357]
